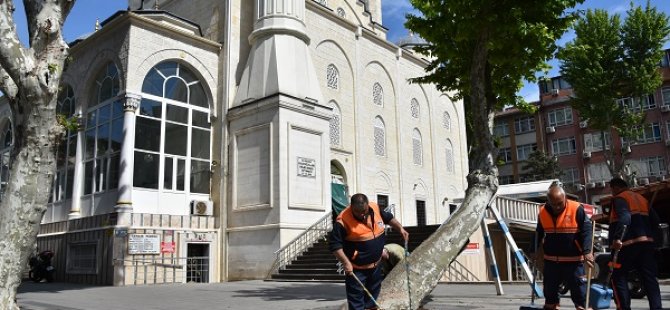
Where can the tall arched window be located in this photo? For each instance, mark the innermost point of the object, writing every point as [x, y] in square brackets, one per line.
[414, 108]
[67, 148]
[332, 77]
[173, 132]
[417, 148]
[450, 158]
[446, 121]
[378, 94]
[336, 126]
[103, 132]
[380, 137]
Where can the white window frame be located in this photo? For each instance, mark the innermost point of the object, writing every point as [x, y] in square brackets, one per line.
[501, 129]
[523, 151]
[564, 146]
[665, 95]
[593, 141]
[570, 175]
[528, 121]
[505, 155]
[560, 116]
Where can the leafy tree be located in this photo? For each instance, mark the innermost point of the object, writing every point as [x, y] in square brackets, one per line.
[479, 53]
[29, 80]
[609, 60]
[542, 166]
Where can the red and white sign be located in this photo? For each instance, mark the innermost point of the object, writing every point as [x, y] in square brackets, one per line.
[588, 209]
[471, 248]
[167, 247]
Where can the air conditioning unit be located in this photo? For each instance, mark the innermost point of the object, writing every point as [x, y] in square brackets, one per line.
[600, 184]
[583, 124]
[551, 129]
[586, 155]
[643, 181]
[667, 142]
[662, 174]
[590, 185]
[554, 92]
[665, 108]
[625, 149]
[202, 207]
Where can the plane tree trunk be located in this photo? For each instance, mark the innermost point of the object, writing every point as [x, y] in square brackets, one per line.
[428, 262]
[29, 80]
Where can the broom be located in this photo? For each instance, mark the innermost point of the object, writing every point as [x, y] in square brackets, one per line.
[532, 305]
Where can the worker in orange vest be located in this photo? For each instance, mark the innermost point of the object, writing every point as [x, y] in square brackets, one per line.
[357, 241]
[636, 247]
[565, 231]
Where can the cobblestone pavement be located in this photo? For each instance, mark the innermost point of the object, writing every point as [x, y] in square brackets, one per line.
[263, 295]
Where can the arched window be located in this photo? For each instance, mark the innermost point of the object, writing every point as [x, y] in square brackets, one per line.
[332, 77]
[173, 132]
[378, 94]
[446, 121]
[335, 126]
[417, 148]
[341, 13]
[450, 158]
[414, 108]
[380, 137]
[67, 148]
[103, 132]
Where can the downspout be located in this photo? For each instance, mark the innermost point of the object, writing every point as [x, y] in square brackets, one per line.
[223, 187]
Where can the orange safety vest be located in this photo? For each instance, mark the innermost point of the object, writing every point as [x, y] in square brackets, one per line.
[639, 207]
[358, 231]
[563, 229]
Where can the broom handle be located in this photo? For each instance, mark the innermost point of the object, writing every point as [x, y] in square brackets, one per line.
[590, 269]
[615, 256]
[366, 290]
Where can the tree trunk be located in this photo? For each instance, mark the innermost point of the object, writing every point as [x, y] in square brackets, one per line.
[429, 261]
[26, 197]
[29, 79]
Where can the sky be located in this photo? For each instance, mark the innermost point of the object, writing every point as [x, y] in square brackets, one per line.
[394, 11]
[81, 21]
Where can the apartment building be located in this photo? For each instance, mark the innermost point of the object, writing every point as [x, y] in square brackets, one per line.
[557, 129]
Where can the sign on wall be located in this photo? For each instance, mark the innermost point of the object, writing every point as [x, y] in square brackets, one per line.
[306, 167]
[471, 248]
[144, 243]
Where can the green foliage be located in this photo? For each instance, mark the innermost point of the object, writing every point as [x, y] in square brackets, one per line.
[542, 166]
[608, 60]
[520, 37]
[70, 124]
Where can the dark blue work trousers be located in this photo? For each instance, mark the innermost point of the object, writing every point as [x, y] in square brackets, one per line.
[570, 273]
[356, 296]
[639, 256]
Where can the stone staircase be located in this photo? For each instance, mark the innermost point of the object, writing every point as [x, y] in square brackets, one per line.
[319, 265]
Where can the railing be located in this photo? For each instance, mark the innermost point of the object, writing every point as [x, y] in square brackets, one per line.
[301, 243]
[520, 274]
[516, 210]
[457, 272]
[159, 270]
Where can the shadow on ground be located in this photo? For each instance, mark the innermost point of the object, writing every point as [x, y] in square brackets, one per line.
[28, 286]
[298, 291]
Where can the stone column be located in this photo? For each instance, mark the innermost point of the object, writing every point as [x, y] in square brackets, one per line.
[77, 184]
[126, 165]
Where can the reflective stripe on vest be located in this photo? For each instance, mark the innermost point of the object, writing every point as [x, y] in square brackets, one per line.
[368, 266]
[554, 258]
[360, 231]
[638, 239]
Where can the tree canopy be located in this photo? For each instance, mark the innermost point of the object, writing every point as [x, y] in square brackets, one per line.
[479, 52]
[541, 166]
[609, 60]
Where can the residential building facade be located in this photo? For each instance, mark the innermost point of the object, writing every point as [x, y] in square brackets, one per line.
[560, 132]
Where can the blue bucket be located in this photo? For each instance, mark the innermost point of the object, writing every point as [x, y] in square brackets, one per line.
[601, 297]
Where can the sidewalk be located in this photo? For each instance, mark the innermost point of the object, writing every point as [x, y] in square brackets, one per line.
[262, 295]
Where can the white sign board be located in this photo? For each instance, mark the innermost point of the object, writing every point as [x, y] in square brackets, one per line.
[306, 167]
[144, 244]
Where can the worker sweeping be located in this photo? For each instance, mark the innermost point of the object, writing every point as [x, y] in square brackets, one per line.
[357, 241]
[565, 231]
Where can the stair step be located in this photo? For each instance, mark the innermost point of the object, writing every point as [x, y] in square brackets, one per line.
[332, 265]
[309, 277]
[309, 271]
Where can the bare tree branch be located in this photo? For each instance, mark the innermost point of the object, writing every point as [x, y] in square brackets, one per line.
[7, 85]
[14, 58]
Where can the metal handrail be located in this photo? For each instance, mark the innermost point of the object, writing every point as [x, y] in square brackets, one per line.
[301, 243]
[517, 210]
[458, 272]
